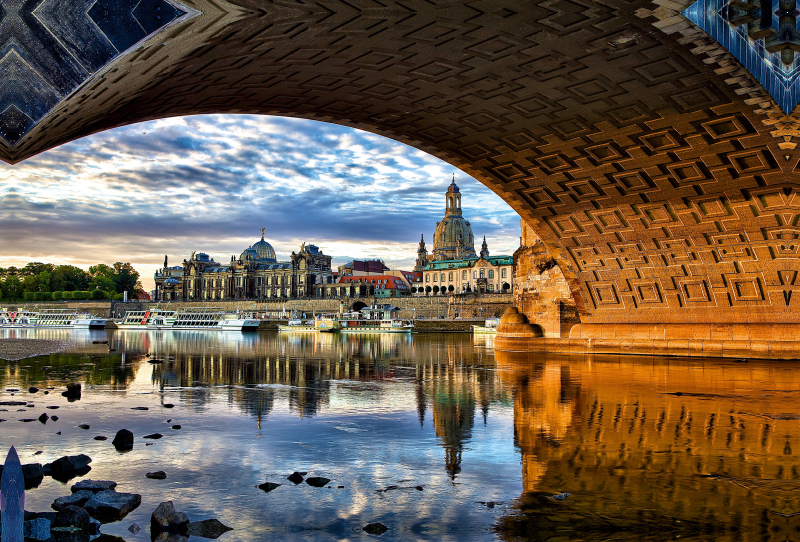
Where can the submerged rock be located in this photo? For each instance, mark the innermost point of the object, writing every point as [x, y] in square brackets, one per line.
[375, 528]
[123, 440]
[208, 528]
[134, 528]
[295, 478]
[37, 529]
[317, 481]
[266, 487]
[95, 486]
[72, 516]
[153, 436]
[73, 391]
[78, 498]
[108, 505]
[165, 519]
[44, 417]
[158, 475]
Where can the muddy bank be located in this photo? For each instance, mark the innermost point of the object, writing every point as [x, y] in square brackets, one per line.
[16, 349]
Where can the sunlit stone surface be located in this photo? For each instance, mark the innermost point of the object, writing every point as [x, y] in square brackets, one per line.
[48, 48]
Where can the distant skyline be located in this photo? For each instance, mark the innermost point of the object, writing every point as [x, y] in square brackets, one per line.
[209, 184]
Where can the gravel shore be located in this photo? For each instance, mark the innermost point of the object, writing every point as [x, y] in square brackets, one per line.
[16, 349]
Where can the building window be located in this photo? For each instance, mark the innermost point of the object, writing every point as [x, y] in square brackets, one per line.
[491, 273]
[442, 277]
[491, 287]
[427, 277]
[482, 275]
[450, 277]
[474, 274]
[502, 273]
[435, 277]
[463, 275]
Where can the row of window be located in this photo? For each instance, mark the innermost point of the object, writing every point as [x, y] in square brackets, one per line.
[475, 275]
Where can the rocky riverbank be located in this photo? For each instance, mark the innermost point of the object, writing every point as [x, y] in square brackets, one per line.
[17, 349]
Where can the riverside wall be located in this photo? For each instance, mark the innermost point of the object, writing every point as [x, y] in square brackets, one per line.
[469, 306]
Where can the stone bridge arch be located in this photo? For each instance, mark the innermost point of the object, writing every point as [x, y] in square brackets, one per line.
[658, 172]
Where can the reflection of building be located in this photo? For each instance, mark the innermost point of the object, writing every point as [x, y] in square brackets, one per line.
[656, 443]
[454, 266]
[256, 274]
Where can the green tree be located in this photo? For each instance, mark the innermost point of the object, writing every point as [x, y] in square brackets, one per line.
[102, 283]
[69, 278]
[67, 296]
[126, 278]
[35, 268]
[427, 290]
[436, 289]
[99, 294]
[57, 296]
[12, 289]
[27, 295]
[450, 288]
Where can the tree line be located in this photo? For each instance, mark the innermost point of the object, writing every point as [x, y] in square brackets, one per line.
[49, 282]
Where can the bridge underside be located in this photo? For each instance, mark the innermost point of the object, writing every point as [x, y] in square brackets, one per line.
[657, 172]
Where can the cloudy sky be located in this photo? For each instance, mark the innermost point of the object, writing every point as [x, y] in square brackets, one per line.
[209, 183]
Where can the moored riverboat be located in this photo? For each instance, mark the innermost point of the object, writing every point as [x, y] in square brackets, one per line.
[374, 319]
[201, 318]
[489, 327]
[50, 318]
[298, 326]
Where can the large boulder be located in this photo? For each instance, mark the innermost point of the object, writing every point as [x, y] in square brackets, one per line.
[107, 506]
[123, 440]
[65, 468]
[72, 516]
[95, 486]
[73, 391]
[165, 519]
[36, 529]
[78, 498]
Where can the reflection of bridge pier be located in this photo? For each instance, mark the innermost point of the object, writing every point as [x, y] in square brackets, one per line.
[645, 441]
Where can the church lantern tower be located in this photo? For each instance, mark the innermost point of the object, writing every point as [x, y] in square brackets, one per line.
[422, 255]
[453, 237]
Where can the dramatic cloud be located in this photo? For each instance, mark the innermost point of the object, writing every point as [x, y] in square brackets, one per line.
[209, 183]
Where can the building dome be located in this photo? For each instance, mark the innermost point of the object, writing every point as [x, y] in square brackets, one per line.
[172, 281]
[264, 251]
[250, 255]
[452, 233]
[452, 239]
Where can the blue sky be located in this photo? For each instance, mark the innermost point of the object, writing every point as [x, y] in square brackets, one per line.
[209, 183]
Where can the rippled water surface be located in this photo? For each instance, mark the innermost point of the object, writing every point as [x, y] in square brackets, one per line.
[647, 448]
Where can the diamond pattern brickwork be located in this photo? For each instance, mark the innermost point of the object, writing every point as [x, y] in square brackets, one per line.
[654, 181]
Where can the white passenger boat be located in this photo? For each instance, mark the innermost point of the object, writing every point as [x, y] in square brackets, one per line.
[374, 319]
[211, 318]
[297, 326]
[489, 327]
[50, 318]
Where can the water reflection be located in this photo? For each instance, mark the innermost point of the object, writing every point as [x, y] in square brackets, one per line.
[704, 449]
[368, 412]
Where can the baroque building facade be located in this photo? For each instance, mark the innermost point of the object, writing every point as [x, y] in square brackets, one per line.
[454, 266]
[255, 274]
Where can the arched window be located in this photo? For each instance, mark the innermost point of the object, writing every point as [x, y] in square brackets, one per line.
[450, 277]
[435, 277]
[442, 278]
[482, 275]
[464, 275]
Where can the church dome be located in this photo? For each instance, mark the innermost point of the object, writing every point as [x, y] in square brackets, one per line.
[451, 233]
[250, 255]
[264, 250]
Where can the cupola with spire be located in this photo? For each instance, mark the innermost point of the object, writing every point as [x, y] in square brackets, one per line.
[484, 249]
[453, 237]
[422, 255]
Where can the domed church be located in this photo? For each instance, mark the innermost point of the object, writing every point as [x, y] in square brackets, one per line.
[256, 274]
[454, 266]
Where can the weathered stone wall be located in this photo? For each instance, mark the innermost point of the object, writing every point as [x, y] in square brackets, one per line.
[466, 306]
[540, 290]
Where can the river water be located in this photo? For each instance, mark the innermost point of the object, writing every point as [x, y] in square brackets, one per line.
[436, 436]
